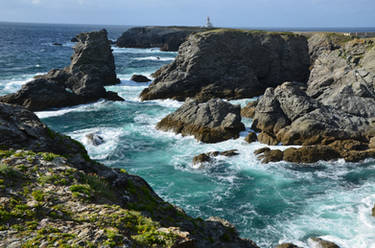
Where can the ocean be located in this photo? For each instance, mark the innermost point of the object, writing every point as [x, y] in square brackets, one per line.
[270, 204]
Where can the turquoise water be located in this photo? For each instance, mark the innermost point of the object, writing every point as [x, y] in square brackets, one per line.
[271, 203]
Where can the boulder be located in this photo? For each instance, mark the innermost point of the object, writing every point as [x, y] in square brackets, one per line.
[310, 154]
[251, 137]
[249, 110]
[140, 78]
[207, 157]
[267, 139]
[92, 67]
[373, 211]
[56, 44]
[231, 64]
[95, 139]
[209, 122]
[166, 38]
[321, 243]
[271, 155]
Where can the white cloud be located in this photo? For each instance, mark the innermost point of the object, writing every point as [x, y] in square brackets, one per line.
[35, 1]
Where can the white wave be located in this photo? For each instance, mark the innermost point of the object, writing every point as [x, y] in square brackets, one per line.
[155, 58]
[14, 84]
[63, 111]
[110, 136]
[139, 50]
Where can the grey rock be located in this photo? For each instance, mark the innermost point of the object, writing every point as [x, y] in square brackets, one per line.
[92, 67]
[95, 139]
[210, 122]
[166, 38]
[140, 78]
[231, 64]
[207, 157]
[321, 243]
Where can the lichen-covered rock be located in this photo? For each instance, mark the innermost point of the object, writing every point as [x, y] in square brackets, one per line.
[92, 67]
[267, 139]
[209, 122]
[321, 243]
[269, 155]
[231, 64]
[310, 154]
[166, 38]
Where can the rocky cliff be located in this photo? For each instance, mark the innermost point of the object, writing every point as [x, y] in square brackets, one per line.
[166, 38]
[231, 64]
[53, 195]
[92, 67]
[335, 110]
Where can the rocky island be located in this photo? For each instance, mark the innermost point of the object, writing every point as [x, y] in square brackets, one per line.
[92, 67]
[231, 64]
[166, 38]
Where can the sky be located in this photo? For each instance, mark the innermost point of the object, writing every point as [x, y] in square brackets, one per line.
[223, 13]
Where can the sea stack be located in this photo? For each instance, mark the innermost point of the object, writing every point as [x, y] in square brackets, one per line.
[92, 67]
[231, 64]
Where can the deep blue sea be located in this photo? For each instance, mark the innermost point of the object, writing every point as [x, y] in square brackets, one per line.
[270, 204]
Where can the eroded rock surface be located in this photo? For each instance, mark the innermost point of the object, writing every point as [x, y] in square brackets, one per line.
[231, 64]
[208, 157]
[209, 122]
[92, 67]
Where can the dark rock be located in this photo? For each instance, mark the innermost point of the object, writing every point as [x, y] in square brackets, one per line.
[74, 39]
[211, 65]
[210, 122]
[92, 67]
[166, 38]
[373, 211]
[310, 154]
[251, 137]
[321, 243]
[249, 110]
[207, 157]
[261, 150]
[56, 44]
[140, 79]
[287, 245]
[95, 139]
[271, 156]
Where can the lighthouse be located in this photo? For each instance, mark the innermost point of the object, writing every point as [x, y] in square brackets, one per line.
[209, 24]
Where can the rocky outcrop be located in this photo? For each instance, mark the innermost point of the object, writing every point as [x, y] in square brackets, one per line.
[231, 64]
[92, 67]
[140, 78]
[208, 157]
[321, 243]
[52, 193]
[166, 38]
[209, 122]
[373, 211]
[336, 108]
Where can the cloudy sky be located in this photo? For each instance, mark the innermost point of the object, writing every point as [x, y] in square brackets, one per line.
[231, 13]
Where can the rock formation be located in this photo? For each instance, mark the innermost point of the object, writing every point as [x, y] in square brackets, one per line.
[335, 108]
[52, 193]
[287, 245]
[95, 139]
[249, 110]
[208, 157]
[92, 67]
[321, 243]
[251, 137]
[209, 122]
[140, 78]
[166, 38]
[231, 64]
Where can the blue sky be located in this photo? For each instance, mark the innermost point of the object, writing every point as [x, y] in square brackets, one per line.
[233, 13]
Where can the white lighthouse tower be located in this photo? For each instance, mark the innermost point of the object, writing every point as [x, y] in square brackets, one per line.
[209, 24]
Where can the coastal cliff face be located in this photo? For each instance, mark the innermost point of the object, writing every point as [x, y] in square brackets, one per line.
[53, 194]
[231, 64]
[92, 67]
[334, 111]
[166, 38]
